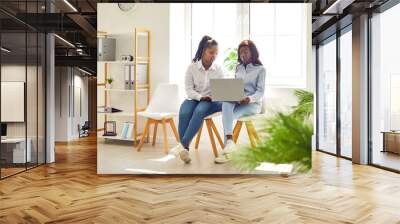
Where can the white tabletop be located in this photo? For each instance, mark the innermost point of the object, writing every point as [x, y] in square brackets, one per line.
[13, 140]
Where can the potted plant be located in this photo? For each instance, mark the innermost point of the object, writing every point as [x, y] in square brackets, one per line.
[286, 138]
[109, 82]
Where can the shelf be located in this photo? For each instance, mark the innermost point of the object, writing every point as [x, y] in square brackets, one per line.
[127, 90]
[118, 138]
[125, 62]
[139, 136]
[143, 86]
[121, 114]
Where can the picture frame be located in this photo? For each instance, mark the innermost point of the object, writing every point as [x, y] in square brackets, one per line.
[110, 128]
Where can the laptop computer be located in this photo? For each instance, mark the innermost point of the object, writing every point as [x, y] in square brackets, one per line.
[227, 89]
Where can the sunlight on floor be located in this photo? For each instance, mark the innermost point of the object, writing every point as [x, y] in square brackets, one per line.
[144, 171]
[164, 159]
[280, 168]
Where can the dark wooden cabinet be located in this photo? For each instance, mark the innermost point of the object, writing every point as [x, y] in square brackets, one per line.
[391, 142]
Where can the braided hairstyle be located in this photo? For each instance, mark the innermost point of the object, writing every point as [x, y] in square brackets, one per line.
[206, 42]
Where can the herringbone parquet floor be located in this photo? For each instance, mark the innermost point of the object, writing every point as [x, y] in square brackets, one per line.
[70, 191]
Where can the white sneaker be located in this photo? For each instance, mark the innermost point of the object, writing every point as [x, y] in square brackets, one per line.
[180, 151]
[184, 155]
[176, 150]
[229, 147]
[222, 159]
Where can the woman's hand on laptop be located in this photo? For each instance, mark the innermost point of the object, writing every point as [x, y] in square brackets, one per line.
[245, 101]
[205, 98]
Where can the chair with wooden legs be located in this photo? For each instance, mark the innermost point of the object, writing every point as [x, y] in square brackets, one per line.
[163, 106]
[251, 131]
[155, 122]
[212, 130]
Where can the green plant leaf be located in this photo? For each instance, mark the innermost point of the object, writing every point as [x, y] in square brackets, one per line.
[286, 138]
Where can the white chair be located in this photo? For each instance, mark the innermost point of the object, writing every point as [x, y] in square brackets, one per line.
[211, 131]
[163, 106]
[251, 131]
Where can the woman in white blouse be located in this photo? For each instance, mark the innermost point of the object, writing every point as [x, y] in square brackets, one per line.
[198, 104]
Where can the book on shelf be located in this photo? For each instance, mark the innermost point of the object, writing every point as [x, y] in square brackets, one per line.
[130, 129]
[127, 129]
[124, 129]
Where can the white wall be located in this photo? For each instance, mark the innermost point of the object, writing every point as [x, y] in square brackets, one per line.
[33, 127]
[17, 73]
[61, 103]
[66, 121]
[80, 84]
[180, 57]
[154, 17]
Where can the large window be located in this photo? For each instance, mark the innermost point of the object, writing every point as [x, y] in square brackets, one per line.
[346, 93]
[219, 21]
[335, 94]
[327, 96]
[281, 33]
[385, 89]
[278, 30]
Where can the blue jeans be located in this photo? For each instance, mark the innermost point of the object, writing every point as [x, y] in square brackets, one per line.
[191, 116]
[232, 111]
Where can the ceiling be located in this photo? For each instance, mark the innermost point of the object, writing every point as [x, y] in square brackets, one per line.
[76, 20]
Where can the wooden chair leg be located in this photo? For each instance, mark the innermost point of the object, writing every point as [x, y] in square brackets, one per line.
[164, 126]
[236, 130]
[210, 133]
[146, 128]
[251, 137]
[254, 132]
[196, 146]
[155, 133]
[148, 136]
[221, 143]
[172, 123]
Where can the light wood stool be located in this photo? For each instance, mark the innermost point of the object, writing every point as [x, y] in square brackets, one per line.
[212, 130]
[251, 131]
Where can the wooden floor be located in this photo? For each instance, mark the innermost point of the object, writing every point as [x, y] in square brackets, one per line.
[70, 191]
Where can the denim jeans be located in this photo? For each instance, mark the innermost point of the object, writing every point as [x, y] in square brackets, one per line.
[232, 111]
[191, 116]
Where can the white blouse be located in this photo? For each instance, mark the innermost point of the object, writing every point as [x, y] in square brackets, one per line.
[197, 79]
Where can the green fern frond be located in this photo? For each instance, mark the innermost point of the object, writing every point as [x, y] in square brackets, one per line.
[286, 138]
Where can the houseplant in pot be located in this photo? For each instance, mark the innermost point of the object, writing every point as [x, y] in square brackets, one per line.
[109, 81]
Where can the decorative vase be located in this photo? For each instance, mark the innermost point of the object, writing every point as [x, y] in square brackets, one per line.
[108, 86]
